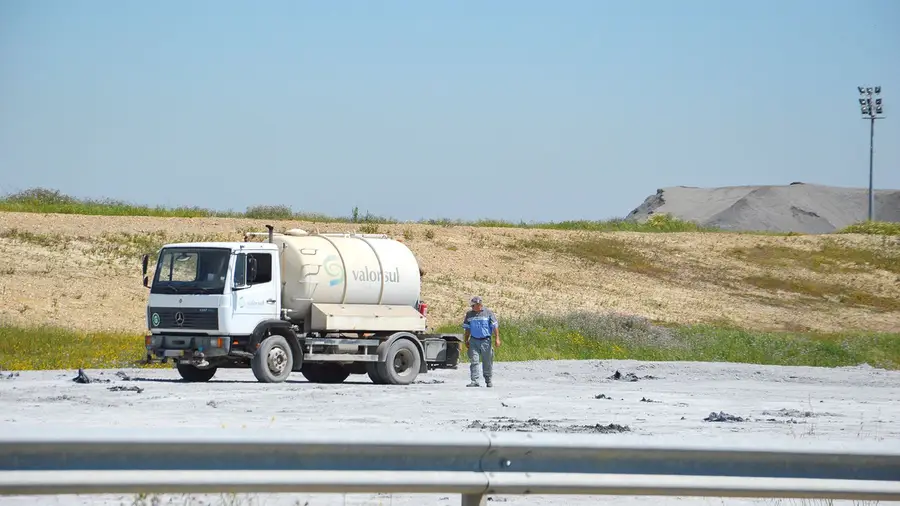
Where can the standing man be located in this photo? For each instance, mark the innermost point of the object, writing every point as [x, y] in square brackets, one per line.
[480, 324]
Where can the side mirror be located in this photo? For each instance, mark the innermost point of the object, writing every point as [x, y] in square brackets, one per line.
[144, 261]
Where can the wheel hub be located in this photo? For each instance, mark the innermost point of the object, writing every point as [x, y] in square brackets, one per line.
[276, 360]
[402, 361]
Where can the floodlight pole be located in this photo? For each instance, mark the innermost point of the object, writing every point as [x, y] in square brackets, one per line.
[871, 171]
[871, 110]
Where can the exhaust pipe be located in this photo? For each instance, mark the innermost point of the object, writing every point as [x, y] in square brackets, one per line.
[271, 228]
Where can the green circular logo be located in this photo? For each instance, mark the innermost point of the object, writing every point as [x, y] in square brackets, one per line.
[155, 319]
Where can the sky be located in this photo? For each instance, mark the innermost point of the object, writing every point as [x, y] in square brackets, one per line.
[520, 110]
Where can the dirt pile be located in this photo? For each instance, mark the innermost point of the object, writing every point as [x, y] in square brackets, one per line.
[798, 207]
[632, 377]
[506, 424]
[722, 416]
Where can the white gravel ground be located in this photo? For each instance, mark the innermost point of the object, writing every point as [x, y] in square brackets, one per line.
[669, 400]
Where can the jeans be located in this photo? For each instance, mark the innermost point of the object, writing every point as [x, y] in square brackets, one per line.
[481, 348]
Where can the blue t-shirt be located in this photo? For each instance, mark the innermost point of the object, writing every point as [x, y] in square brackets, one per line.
[480, 324]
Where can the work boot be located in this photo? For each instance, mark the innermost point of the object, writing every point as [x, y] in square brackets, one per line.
[473, 384]
[488, 383]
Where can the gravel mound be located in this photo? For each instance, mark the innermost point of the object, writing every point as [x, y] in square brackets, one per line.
[798, 207]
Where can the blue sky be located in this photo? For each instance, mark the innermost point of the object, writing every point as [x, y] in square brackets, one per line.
[513, 109]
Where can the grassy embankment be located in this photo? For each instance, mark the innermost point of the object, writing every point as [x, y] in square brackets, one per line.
[577, 336]
[41, 200]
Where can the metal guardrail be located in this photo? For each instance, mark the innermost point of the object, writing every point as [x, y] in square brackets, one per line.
[80, 461]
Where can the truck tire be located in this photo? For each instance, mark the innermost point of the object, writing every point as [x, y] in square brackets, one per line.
[325, 373]
[195, 375]
[273, 360]
[372, 371]
[401, 363]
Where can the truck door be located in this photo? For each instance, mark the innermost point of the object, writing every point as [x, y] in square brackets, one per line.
[255, 291]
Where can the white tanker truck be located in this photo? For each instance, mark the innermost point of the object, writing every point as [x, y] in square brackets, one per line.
[326, 305]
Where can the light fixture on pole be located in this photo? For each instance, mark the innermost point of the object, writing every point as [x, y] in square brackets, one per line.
[871, 107]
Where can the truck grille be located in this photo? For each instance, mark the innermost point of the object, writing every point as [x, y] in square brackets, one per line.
[185, 318]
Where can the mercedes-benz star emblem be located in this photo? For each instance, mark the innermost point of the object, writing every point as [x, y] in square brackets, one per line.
[179, 318]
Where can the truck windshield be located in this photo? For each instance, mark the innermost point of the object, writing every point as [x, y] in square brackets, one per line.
[191, 271]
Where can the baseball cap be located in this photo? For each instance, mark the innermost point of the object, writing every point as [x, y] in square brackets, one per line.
[476, 300]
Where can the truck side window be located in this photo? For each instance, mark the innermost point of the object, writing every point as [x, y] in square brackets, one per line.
[263, 267]
[240, 269]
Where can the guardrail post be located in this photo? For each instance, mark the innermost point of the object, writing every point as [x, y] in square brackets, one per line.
[474, 500]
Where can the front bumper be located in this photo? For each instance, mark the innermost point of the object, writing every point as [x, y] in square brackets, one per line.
[185, 348]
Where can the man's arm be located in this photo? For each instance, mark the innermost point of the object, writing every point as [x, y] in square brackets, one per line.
[495, 329]
[466, 328]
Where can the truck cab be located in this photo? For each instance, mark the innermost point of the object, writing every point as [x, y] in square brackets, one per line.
[214, 288]
[220, 305]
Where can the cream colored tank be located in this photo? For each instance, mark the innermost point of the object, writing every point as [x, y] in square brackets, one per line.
[345, 269]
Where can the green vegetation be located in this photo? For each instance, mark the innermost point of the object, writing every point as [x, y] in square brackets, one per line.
[41, 200]
[368, 228]
[872, 228]
[810, 288]
[656, 223]
[574, 336]
[830, 257]
[602, 250]
[119, 245]
[42, 348]
[597, 336]
[43, 240]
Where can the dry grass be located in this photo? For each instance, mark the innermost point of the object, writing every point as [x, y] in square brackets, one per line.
[595, 249]
[838, 272]
[83, 272]
[828, 291]
[830, 256]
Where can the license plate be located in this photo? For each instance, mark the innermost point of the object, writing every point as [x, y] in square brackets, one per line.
[174, 353]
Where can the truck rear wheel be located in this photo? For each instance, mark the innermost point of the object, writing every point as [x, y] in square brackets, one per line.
[273, 361]
[325, 373]
[195, 375]
[401, 363]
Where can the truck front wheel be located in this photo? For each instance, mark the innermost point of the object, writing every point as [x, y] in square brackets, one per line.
[372, 371]
[401, 363]
[273, 360]
[195, 375]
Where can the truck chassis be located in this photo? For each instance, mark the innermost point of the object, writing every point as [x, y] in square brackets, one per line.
[275, 351]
